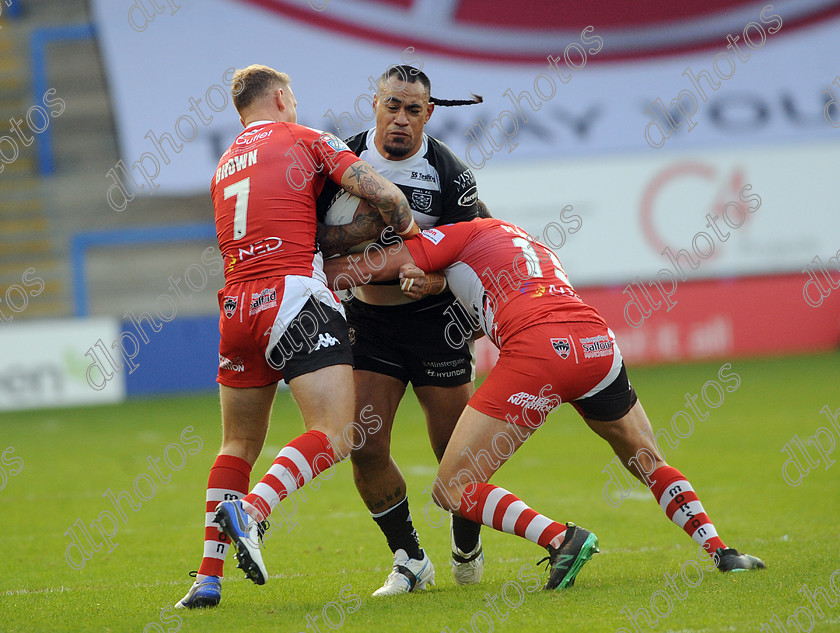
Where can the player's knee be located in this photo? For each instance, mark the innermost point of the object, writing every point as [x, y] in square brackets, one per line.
[369, 450]
[643, 464]
[446, 496]
[341, 448]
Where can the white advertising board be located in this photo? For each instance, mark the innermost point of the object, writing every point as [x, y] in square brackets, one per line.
[170, 78]
[641, 179]
[44, 364]
[772, 210]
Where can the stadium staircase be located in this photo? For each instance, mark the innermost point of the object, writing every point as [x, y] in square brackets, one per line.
[40, 215]
[26, 239]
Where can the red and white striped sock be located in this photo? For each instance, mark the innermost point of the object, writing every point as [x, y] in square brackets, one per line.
[229, 479]
[678, 500]
[504, 511]
[302, 459]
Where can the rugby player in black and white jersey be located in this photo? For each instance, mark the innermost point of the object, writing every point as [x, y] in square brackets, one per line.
[440, 189]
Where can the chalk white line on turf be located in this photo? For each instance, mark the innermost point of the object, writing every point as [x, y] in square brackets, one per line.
[19, 592]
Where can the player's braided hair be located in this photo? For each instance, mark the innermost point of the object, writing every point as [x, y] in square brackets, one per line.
[410, 74]
[457, 102]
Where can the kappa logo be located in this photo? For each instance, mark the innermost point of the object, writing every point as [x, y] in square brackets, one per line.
[263, 300]
[421, 200]
[229, 306]
[326, 340]
[562, 347]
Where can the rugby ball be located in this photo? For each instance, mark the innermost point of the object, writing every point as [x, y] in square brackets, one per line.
[343, 209]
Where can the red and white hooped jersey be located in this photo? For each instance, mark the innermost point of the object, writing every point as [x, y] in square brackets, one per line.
[264, 193]
[505, 279]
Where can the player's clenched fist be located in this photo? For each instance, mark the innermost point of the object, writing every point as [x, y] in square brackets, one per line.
[416, 284]
[412, 281]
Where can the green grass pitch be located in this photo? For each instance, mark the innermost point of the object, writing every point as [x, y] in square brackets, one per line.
[323, 571]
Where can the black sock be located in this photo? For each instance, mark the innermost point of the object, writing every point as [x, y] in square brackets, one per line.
[396, 525]
[466, 533]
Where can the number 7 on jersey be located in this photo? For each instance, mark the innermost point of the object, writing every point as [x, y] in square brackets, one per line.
[240, 189]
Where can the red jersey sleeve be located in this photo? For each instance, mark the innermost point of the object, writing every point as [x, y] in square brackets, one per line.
[437, 248]
[329, 152]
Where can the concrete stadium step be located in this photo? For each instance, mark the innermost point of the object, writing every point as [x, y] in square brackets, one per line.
[12, 247]
[33, 283]
[34, 223]
[7, 65]
[91, 110]
[18, 202]
[98, 153]
[20, 226]
[36, 308]
[46, 275]
[23, 165]
[14, 102]
[48, 266]
[50, 12]
[27, 242]
[83, 138]
[73, 199]
[13, 85]
[84, 206]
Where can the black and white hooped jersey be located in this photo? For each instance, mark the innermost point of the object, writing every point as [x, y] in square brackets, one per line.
[439, 186]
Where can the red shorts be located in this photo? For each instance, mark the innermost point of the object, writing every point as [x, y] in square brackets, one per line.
[256, 315]
[545, 365]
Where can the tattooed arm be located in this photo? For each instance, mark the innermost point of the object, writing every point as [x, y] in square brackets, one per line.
[417, 284]
[349, 271]
[364, 181]
[336, 239]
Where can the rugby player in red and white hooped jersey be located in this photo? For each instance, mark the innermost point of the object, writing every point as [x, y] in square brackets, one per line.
[554, 348]
[278, 321]
[441, 189]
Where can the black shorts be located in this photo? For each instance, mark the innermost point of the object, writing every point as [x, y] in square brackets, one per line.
[611, 403]
[408, 342]
[315, 339]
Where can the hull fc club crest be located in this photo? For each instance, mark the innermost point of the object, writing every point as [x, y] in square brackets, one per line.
[562, 347]
[421, 200]
[230, 306]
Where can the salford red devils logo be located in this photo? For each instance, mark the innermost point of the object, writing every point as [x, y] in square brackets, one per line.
[230, 306]
[562, 347]
[501, 30]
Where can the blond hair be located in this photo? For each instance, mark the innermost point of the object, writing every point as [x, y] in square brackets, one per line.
[253, 82]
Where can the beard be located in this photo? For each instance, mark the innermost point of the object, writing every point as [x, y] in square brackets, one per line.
[397, 150]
